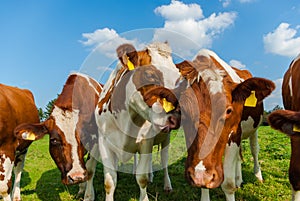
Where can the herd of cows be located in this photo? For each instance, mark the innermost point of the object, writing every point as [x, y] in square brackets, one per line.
[146, 97]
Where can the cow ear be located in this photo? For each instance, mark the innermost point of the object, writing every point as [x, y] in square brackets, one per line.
[31, 131]
[285, 121]
[187, 70]
[252, 90]
[128, 55]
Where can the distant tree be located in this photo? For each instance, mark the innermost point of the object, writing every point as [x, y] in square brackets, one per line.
[266, 114]
[49, 108]
[41, 114]
[277, 107]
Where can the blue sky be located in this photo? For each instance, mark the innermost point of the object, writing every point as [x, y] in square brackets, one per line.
[43, 41]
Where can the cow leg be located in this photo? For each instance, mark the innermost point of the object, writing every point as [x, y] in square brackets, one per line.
[205, 194]
[254, 146]
[110, 162]
[143, 170]
[6, 169]
[18, 169]
[230, 160]
[164, 160]
[91, 168]
[150, 170]
[238, 174]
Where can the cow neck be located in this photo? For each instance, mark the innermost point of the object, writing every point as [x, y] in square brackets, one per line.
[120, 73]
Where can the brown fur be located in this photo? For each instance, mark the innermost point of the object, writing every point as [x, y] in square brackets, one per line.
[16, 107]
[285, 120]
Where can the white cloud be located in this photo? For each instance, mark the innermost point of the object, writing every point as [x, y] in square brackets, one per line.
[282, 41]
[105, 41]
[237, 64]
[225, 3]
[179, 11]
[185, 28]
[194, 27]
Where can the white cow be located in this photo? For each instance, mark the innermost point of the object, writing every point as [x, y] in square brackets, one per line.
[136, 110]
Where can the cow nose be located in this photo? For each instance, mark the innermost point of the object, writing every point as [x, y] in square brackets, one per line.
[205, 179]
[77, 177]
[173, 121]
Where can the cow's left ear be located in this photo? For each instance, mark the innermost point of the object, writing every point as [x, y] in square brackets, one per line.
[286, 121]
[252, 90]
[128, 55]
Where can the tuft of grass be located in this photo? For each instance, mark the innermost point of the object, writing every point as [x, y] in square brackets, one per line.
[41, 178]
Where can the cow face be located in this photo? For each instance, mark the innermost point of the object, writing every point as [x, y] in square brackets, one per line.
[64, 145]
[70, 126]
[288, 122]
[142, 84]
[211, 105]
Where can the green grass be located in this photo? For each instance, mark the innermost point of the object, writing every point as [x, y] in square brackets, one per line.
[41, 178]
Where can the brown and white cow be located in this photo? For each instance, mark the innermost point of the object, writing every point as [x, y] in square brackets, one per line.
[16, 106]
[214, 118]
[72, 130]
[136, 110]
[288, 121]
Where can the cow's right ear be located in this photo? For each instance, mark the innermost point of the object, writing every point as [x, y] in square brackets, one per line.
[187, 70]
[31, 131]
[286, 121]
[128, 55]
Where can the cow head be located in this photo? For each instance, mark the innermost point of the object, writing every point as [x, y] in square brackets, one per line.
[143, 84]
[69, 125]
[288, 122]
[211, 105]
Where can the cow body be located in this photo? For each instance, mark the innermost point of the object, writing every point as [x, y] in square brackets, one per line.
[73, 131]
[288, 121]
[16, 106]
[214, 127]
[131, 116]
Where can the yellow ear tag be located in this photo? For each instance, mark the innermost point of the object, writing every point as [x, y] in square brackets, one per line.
[296, 128]
[130, 65]
[251, 100]
[168, 106]
[28, 136]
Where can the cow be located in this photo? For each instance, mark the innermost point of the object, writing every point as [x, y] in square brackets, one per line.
[72, 132]
[136, 110]
[220, 105]
[16, 106]
[288, 121]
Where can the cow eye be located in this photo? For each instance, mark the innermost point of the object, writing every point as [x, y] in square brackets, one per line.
[54, 141]
[229, 111]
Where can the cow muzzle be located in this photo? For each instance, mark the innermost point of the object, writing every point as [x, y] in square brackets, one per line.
[75, 177]
[203, 178]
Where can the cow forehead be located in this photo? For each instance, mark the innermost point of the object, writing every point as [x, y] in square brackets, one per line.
[161, 58]
[66, 121]
[228, 69]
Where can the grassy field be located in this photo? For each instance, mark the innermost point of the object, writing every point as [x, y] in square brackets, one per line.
[41, 179]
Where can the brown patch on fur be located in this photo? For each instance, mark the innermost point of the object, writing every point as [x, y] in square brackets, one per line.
[111, 89]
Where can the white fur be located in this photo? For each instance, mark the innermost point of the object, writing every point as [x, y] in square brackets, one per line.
[67, 121]
[213, 79]
[161, 58]
[291, 86]
[7, 167]
[295, 195]
[200, 166]
[234, 76]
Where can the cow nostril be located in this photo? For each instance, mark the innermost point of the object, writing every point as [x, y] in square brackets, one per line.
[173, 122]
